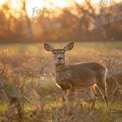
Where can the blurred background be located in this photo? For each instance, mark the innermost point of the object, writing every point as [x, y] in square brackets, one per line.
[25, 21]
[28, 91]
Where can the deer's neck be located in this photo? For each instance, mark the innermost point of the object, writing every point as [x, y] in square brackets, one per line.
[60, 67]
[62, 73]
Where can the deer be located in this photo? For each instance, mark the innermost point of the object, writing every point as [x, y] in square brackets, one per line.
[87, 75]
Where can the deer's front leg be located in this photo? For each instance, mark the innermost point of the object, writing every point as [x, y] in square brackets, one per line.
[66, 100]
[66, 94]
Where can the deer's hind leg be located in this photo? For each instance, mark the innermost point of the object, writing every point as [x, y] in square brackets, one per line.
[101, 84]
[103, 90]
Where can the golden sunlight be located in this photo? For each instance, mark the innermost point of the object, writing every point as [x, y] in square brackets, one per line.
[37, 5]
[2, 1]
[15, 4]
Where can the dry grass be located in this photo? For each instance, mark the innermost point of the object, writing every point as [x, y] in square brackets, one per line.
[28, 92]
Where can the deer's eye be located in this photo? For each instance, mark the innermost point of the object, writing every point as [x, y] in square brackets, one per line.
[63, 52]
[54, 52]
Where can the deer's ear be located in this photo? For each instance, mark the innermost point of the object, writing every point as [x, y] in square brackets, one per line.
[48, 47]
[69, 46]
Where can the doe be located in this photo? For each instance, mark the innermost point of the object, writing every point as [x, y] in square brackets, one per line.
[79, 75]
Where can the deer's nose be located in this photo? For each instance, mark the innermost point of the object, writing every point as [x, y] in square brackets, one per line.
[60, 57]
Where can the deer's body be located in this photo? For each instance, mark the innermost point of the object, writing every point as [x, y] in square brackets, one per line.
[80, 75]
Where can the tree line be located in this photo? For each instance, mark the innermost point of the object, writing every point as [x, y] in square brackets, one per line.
[75, 23]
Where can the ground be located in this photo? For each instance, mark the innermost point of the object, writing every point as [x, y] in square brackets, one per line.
[28, 91]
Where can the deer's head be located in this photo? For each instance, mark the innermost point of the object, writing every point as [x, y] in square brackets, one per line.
[59, 56]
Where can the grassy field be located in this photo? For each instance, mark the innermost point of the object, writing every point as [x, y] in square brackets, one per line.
[27, 84]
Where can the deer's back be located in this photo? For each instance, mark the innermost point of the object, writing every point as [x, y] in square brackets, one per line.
[81, 74]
